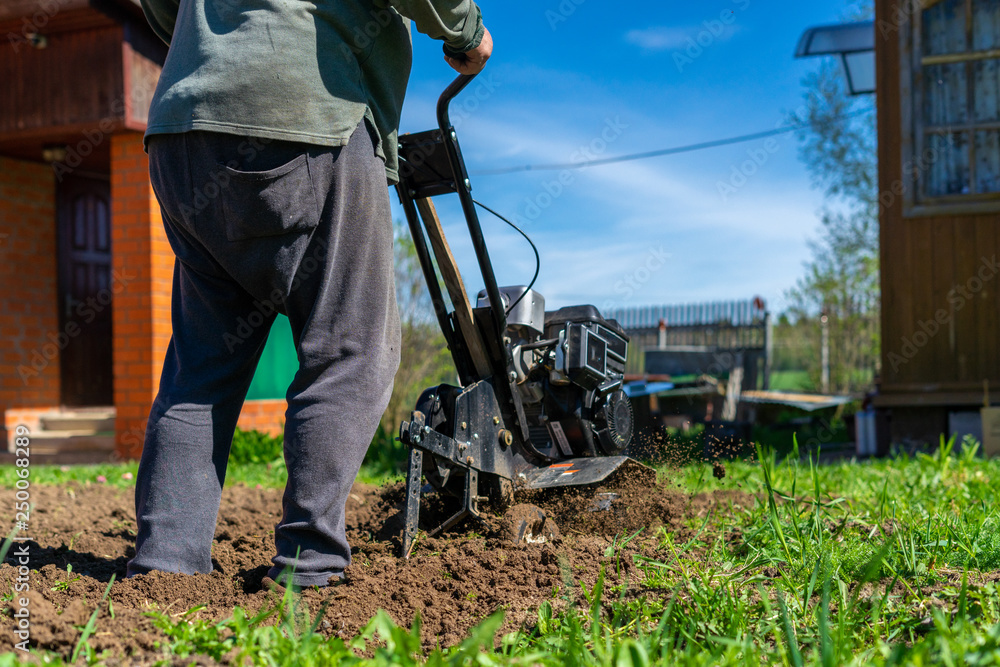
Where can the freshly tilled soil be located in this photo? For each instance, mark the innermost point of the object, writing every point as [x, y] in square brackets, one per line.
[453, 582]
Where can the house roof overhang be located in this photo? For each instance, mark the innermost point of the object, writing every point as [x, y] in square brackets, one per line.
[18, 8]
[47, 37]
[46, 16]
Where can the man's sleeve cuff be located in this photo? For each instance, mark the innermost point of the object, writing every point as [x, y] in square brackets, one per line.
[472, 36]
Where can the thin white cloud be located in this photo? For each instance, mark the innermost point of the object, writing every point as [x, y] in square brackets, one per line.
[601, 229]
[659, 38]
[672, 38]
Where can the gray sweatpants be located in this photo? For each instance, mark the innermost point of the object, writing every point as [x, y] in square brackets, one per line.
[262, 227]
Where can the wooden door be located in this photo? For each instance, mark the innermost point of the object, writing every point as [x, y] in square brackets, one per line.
[86, 291]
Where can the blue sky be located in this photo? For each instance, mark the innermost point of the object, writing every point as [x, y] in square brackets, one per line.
[577, 78]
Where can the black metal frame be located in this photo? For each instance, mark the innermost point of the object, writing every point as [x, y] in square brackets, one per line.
[414, 184]
[488, 432]
[481, 444]
[423, 173]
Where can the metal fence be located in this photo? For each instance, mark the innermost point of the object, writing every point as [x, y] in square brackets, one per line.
[719, 326]
[721, 313]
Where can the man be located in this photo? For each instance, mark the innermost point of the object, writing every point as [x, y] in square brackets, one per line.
[271, 136]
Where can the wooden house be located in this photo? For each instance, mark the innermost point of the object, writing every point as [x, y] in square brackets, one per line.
[84, 262]
[938, 81]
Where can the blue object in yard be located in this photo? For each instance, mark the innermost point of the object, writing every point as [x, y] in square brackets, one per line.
[637, 389]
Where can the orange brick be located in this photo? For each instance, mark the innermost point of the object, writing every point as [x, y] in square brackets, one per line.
[27, 212]
[140, 396]
[120, 192]
[139, 176]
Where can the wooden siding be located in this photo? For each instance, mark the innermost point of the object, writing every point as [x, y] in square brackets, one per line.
[75, 82]
[36, 14]
[939, 343]
[44, 15]
[95, 77]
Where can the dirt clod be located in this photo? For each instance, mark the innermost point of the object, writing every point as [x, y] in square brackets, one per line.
[528, 524]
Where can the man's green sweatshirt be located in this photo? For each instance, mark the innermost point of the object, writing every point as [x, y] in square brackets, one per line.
[295, 70]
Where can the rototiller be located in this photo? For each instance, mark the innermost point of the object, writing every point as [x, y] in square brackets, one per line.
[541, 402]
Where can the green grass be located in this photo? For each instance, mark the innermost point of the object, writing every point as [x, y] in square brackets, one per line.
[255, 458]
[268, 475]
[791, 381]
[874, 563]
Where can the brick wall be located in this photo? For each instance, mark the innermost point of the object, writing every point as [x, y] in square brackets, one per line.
[267, 416]
[142, 255]
[29, 359]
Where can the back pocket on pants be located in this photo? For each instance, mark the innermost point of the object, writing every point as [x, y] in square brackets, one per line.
[269, 203]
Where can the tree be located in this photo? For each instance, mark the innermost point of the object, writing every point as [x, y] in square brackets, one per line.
[841, 282]
[424, 357]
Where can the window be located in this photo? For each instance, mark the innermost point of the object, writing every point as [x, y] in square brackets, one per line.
[952, 155]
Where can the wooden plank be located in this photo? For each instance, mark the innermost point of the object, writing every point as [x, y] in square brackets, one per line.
[920, 284]
[894, 252]
[899, 261]
[77, 80]
[895, 400]
[966, 353]
[898, 309]
[960, 127]
[942, 266]
[456, 288]
[38, 11]
[50, 25]
[953, 386]
[734, 389]
[987, 244]
[953, 58]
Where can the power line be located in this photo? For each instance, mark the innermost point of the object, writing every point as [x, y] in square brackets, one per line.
[658, 153]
